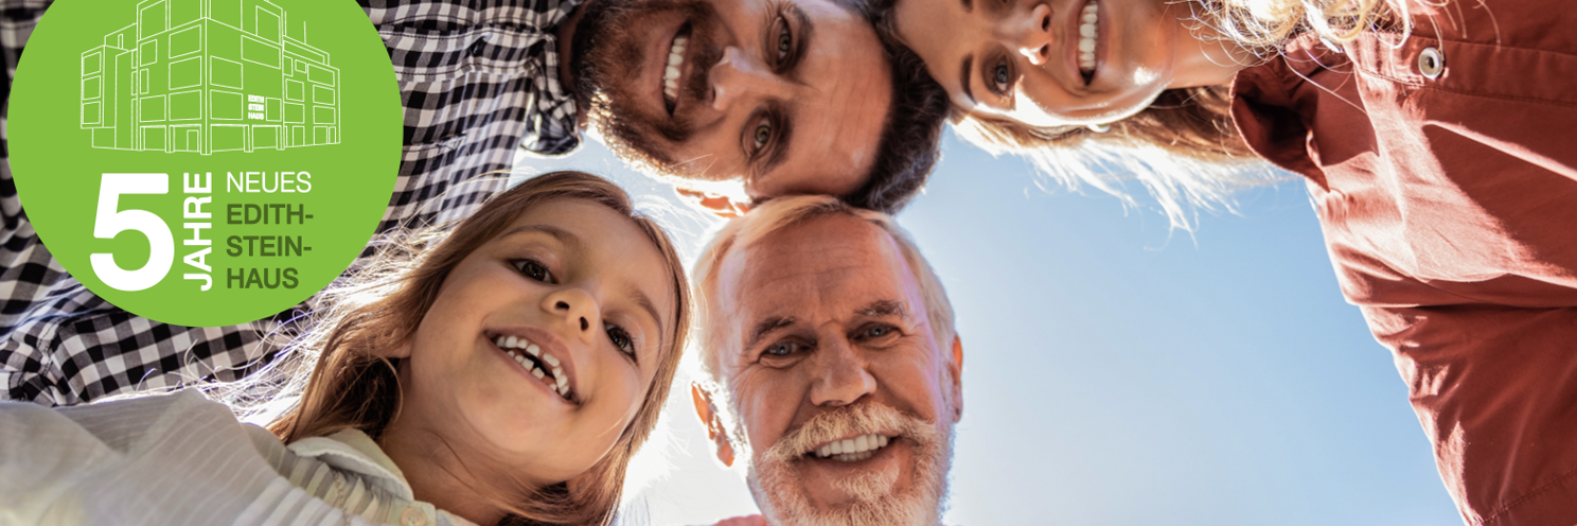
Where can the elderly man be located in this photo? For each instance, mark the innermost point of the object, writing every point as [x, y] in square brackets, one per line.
[767, 96]
[833, 365]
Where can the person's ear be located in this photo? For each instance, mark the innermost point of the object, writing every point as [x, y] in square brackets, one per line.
[715, 431]
[718, 204]
[957, 369]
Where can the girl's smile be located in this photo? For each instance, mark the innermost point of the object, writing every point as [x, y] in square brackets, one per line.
[548, 364]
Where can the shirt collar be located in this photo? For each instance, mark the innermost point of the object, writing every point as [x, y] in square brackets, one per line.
[354, 451]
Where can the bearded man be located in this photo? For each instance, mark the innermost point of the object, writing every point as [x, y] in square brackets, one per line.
[766, 96]
[832, 365]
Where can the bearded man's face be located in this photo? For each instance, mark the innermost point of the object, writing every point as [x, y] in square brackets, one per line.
[845, 399]
[784, 96]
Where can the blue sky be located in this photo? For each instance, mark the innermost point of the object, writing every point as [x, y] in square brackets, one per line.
[1117, 372]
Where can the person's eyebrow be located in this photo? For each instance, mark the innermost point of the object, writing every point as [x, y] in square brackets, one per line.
[963, 77]
[645, 303]
[807, 32]
[883, 308]
[767, 326]
[563, 236]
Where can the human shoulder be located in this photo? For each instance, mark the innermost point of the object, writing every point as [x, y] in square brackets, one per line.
[175, 458]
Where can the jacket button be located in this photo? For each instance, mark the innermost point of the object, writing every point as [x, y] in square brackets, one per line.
[1431, 63]
[412, 517]
[478, 46]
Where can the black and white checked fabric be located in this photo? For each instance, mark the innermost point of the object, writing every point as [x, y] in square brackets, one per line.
[476, 77]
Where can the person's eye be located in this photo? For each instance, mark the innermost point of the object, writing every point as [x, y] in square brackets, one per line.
[779, 43]
[761, 134]
[781, 349]
[534, 269]
[785, 42]
[621, 339]
[876, 332]
[1000, 76]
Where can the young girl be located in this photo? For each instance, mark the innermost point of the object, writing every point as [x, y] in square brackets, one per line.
[1436, 138]
[503, 372]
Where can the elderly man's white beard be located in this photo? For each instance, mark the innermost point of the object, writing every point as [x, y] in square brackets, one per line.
[775, 482]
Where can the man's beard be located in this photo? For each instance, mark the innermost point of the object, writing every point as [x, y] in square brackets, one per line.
[774, 476]
[606, 61]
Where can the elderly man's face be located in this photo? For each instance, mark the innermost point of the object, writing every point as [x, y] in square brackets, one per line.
[785, 96]
[842, 391]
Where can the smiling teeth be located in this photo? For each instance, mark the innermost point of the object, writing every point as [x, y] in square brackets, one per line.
[671, 73]
[1087, 26]
[556, 380]
[853, 449]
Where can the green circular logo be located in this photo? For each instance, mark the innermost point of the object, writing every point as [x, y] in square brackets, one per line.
[205, 162]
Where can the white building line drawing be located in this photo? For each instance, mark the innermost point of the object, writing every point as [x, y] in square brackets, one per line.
[207, 76]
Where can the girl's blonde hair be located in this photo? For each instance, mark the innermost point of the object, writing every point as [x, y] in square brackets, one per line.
[380, 306]
[1184, 148]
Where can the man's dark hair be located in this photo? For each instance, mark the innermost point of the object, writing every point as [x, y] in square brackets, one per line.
[911, 138]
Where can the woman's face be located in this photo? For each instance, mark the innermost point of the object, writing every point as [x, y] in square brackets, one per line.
[1050, 62]
[541, 344]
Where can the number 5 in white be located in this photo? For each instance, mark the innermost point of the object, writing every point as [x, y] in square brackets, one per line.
[110, 220]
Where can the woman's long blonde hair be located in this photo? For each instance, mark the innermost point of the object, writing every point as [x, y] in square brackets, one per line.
[1183, 148]
[380, 305]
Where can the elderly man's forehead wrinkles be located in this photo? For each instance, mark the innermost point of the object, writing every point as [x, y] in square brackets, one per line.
[883, 308]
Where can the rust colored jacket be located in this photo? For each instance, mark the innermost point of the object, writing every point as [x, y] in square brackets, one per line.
[1445, 176]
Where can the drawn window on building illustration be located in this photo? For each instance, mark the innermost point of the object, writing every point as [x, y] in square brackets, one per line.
[320, 75]
[92, 63]
[153, 139]
[226, 105]
[152, 108]
[92, 88]
[151, 20]
[91, 113]
[186, 73]
[185, 11]
[186, 105]
[259, 52]
[148, 53]
[322, 115]
[186, 42]
[267, 25]
[227, 12]
[224, 73]
[322, 95]
[294, 91]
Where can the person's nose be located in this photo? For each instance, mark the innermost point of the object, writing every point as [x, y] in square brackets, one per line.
[843, 377]
[739, 78]
[577, 309]
[1029, 34]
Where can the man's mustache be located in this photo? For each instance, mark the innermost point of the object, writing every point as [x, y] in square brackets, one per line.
[850, 421]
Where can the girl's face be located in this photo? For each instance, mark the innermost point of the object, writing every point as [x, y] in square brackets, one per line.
[1055, 62]
[541, 345]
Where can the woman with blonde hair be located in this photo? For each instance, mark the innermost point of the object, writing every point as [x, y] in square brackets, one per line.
[1436, 141]
[500, 372]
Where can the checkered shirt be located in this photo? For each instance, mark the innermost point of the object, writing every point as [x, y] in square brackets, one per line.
[477, 78]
